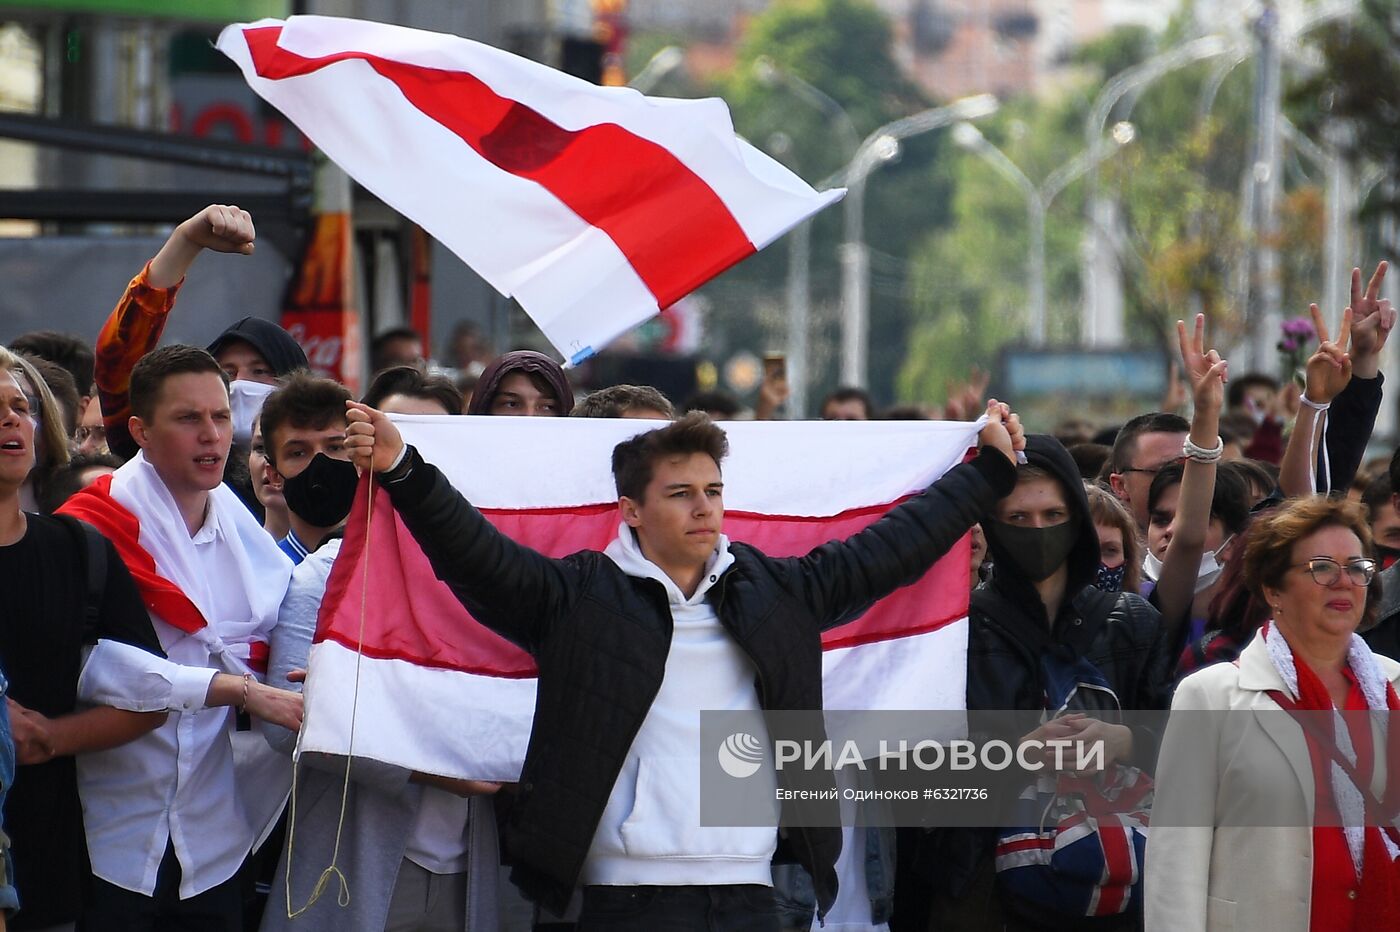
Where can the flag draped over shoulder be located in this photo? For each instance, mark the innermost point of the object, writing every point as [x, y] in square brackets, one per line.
[441, 694]
[595, 207]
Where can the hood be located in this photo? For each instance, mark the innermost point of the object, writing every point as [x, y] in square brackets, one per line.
[626, 552]
[1049, 454]
[276, 345]
[520, 361]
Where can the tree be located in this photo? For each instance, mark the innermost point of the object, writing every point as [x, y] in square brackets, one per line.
[1181, 245]
[1358, 92]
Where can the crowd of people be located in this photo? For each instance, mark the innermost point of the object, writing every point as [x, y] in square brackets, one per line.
[170, 516]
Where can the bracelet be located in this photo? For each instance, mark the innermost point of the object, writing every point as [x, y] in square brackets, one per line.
[1199, 454]
[243, 706]
[1316, 406]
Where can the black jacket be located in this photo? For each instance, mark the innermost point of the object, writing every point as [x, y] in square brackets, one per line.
[1118, 632]
[1008, 633]
[600, 639]
[1350, 421]
[1383, 636]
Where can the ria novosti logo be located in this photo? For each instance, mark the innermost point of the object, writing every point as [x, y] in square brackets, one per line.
[740, 755]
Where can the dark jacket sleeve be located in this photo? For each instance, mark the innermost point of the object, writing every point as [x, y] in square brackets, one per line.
[513, 590]
[841, 579]
[1350, 421]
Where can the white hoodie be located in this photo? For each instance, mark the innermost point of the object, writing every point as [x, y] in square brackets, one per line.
[650, 832]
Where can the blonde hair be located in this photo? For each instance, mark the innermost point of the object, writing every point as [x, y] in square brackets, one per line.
[51, 435]
[1106, 509]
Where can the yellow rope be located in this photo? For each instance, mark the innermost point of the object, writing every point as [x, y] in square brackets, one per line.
[333, 870]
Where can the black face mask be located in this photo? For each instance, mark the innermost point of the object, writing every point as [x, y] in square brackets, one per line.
[1033, 552]
[322, 493]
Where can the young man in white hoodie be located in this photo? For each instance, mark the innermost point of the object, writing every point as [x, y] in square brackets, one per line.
[634, 642]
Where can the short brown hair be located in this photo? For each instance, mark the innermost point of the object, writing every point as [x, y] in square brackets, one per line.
[150, 372]
[1269, 551]
[1106, 509]
[66, 350]
[1158, 422]
[409, 382]
[633, 460]
[64, 389]
[617, 400]
[303, 400]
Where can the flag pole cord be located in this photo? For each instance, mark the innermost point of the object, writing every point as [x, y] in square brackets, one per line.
[333, 869]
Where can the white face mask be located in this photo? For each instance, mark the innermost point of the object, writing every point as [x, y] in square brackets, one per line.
[1209, 571]
[245, 400]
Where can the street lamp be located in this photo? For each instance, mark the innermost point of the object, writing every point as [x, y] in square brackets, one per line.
[770, 75]
[878, 148]
[799, 299]
[1038, 200]
[1129, 81]
[657, 67]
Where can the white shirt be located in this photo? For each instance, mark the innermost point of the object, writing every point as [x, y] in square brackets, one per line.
[175, 784]
[439, 840]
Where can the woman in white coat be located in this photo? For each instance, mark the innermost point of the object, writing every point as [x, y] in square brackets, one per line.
[1254, 826]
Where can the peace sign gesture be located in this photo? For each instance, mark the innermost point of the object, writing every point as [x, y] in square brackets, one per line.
[1329, 369]
[1372, 320]
[1205, 370]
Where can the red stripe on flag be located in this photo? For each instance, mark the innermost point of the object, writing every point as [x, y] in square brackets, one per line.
[1038, 843]
[672, 227]
[410, 615]
[1116, 887]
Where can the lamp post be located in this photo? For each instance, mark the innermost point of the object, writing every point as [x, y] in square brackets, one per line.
[661, 64]
[1038, 200]
[799, 298]
[1122, 84]
[875, 150]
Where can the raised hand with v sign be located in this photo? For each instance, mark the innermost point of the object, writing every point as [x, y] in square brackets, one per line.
[1329, 369]
[1205, 370]
[1372, 320]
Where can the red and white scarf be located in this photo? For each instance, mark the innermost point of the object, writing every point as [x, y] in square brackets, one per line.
[1367, 843]
[135, 511]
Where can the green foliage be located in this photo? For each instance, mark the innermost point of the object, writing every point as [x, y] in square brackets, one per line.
[1116, 51]
[1358, 89]
[843, 48]
[970, 283]
[1180, 240]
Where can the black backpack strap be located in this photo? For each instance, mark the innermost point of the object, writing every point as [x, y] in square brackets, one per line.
[94, 546]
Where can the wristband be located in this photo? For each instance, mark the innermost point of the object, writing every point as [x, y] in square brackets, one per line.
[1315, 405]
[1199, 454]
[1320, 408]
[243, 706]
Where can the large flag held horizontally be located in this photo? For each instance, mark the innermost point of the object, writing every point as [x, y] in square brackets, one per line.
[595, 207]
[439, 693]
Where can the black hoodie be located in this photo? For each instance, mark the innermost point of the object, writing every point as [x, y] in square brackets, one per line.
[1007, 636]
[1009, 631]
[278, 347]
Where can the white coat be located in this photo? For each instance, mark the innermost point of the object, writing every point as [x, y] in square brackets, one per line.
[1249, 775]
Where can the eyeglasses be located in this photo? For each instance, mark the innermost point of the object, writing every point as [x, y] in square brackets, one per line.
[1326, 572]
[1155, 469]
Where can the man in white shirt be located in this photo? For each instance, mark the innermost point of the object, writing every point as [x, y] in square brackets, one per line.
[169, 820]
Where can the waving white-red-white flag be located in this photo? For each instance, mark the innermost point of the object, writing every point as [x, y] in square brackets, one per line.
[595, 207]
[441, 694]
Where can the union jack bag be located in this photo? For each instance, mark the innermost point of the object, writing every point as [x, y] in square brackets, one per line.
[1079, 848]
